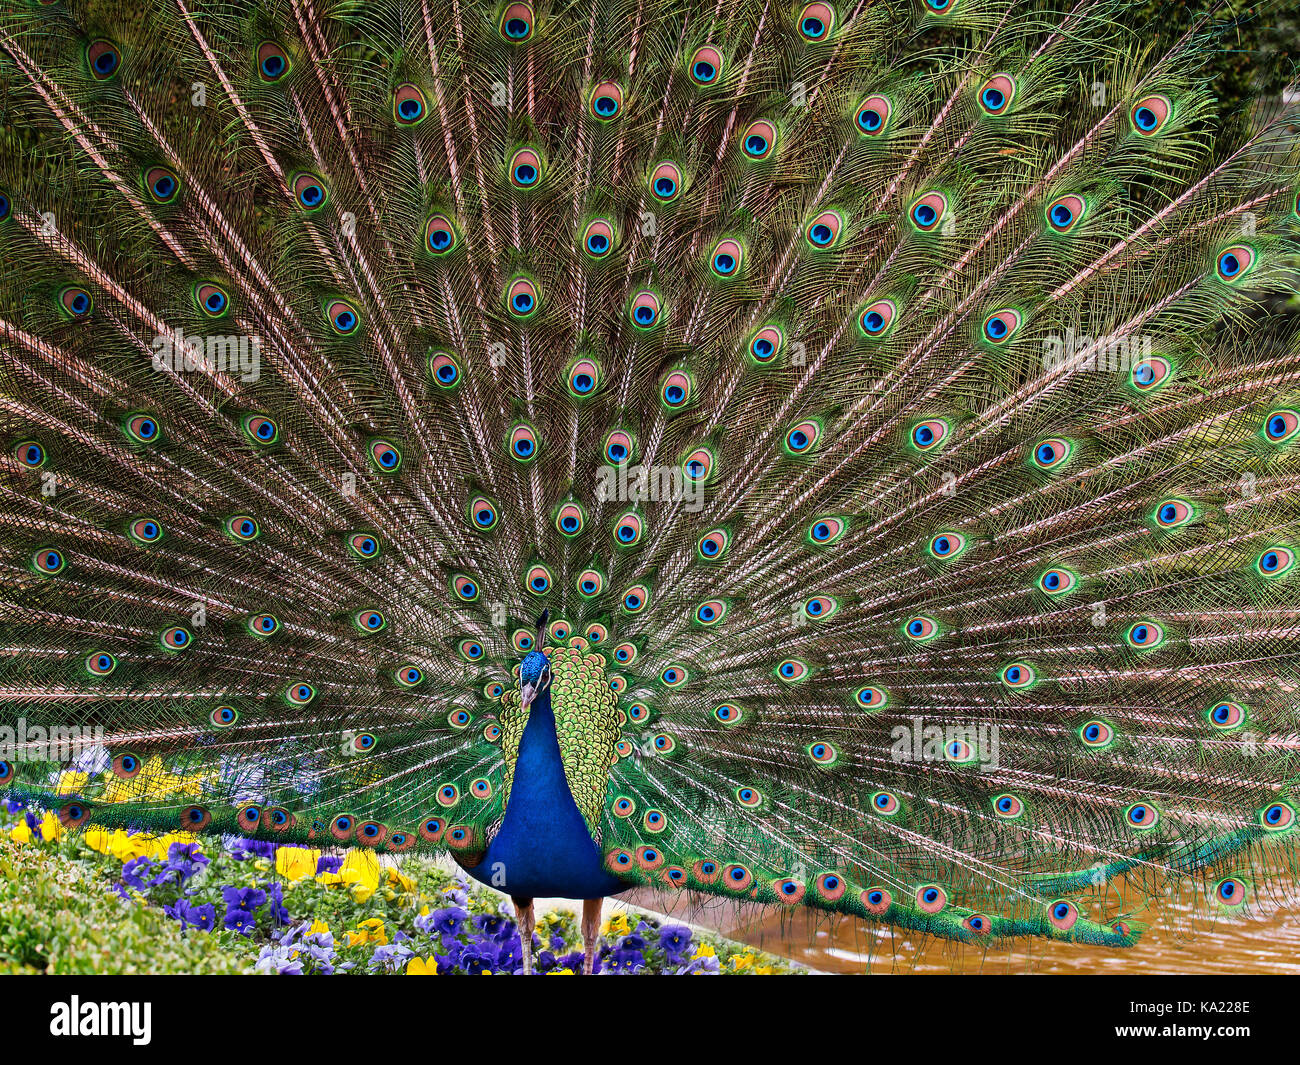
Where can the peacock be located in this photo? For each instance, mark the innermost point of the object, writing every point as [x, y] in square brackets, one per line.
[836, 455]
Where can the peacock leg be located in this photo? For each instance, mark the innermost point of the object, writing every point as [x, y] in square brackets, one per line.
[526, 918]
[590, 930]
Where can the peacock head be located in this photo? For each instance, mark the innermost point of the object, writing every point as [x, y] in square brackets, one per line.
[534, 676]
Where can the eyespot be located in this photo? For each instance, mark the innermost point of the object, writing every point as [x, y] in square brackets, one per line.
[464, 588]
[804, 437]
[639, 712]
[996, 95]
[823, 231]
[161, 184]
[877, 318]
[1231, 892]
[260, 429]
[145, 531]
[929, 434]
[7, 771]
[483, 513]
[598, 238]
[1064, 213]
[176, 638]
[471, 650]
[1063, 914]
[364, 544]
[822, 753]
[432, 828]
[710, 612]
[596, 632]
[1275, 561]
[481, 788]
[459, 719]
[674, 676]
[625, 653]
[310, 192]
[385, 456]
[959, 752]
[606, 101]
[522, 444]
[409, 675]
[76, 301]
[624, 806]
[444, 370]
[921, 628]
[522, 299]
[104, 59]
[644, 309]
[299, 694]
[272, 61]
[758, 140]
[343, 827]
[31, 454]
[142, 428]
[1008, 807]
[713, 545]
[1001, 326]
[1145, 635]
[820, 607]
[877, 900]
[931, 898]
[517, 23]
[249, 818]
[947, 545]
[871, 697]
[126, 766]
[623, 749]
[978, 924]
[729, 714]
[766, 344]
[584, 378]
[1052, 454]
[618, 447]
[873, 115]
[1149, 115]
[448, 795]
[698, 465]
[223, 716]
[370, 621]
[663, 743]
[409, 105]
[277, 819]
[1149, 374]
[792, 670]
[627, 529]
[6, 207]
[636, 599]
[195, 819]
[263, 624]
[1018, 675]
[928, 212]
[827, 530]
[1281, 425]
[706, 66]
[654, 821]
[525, 169]
[1277, 816]
[538, 579]
[570, 519]
[49, 560]
[100, 663]
[1142, 815]
[666, 182]
[1233, 264]
[1226, 716]
[1058, 581]
[788, 891]
[343, 317]
[736, 877]
[727, 257]
[816, 22]
[439, 235]
[589, 583]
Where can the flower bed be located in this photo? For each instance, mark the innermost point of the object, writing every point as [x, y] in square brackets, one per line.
[116, 901]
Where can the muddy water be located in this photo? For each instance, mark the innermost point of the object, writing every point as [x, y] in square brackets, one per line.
[1186, 935]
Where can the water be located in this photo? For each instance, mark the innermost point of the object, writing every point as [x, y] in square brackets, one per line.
[1187, 935]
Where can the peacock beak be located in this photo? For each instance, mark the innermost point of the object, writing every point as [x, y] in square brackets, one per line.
[528, 692]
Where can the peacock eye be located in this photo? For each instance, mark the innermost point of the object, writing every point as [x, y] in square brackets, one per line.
[310, 192]
[370, 621]
[929, 434]
[676, 390]
[517, 22]
[261, 429]
[1064, 213]
[1149, 115]
[666, 182]
[1281, 426]
[706, 66]
[243, 528]
[1149, 374]
[606, 101]
[816, 22]
[525, 168]
[439, 235]
[873, 115]
[444, 369]
[1233, 264]
[766, 344]
[804, 437]
[996, 95]
[1052, 454]
[409, 105]
[538, 579]
[598, 238]
[343, 317]
[628, 530]
[713, 545]
[727, 257]
[161, 184]
[928, 212]
[76, 301]
[823, 231]
[522, 298]
[272, 62]
[1001, 326]
[212, 299]
[644, 309]
[104, 59]
[758, 140]
[877, 318]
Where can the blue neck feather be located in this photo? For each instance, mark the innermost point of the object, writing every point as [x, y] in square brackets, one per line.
[543, 847]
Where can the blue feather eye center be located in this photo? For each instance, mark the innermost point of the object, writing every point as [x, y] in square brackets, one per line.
[724, 263]
[1229, 264]
[924, 214]
[164, 186]
[525, 173]
[516, 28]
[821, 233]
[1145, 118]
[311, 195]
[813, 27]
[665, 186]
[410, 108]
[582, 382]
[674, 393]
[606, 106]
[273, 66]
[522, 301]
[996, 328]
[869, 119]
[598, 243]
[1046, 453]
[447, 372]
[704, 70]
[994, 99]
[1062, 215]
[645, 315]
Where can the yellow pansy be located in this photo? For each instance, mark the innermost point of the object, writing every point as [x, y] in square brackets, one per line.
[51, 828]
[615, 925]
[741, 961]
[351, 939]
[704, 951]
[561, 972]
[418, 966]
[294, 863]
[21, 833]
[404, 882]
[318, 927]
[71, 783]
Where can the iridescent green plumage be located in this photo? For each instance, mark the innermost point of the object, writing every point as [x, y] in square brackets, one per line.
[898, 410]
